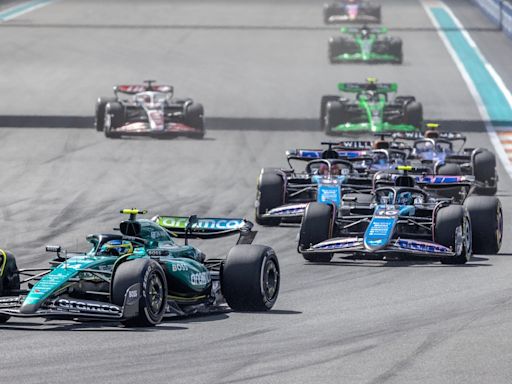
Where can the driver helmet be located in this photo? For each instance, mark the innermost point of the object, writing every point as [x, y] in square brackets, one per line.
[405, 198]
[365, 31]
[116, 248]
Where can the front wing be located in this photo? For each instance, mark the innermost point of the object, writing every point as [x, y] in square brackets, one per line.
[397, 247]
[143, 128]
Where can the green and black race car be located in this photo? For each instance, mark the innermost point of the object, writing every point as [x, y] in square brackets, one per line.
[141, 275]
[365, 44]
[371, 111]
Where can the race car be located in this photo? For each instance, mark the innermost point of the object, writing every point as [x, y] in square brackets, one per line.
[410, 218]
[371, 111]
[142, 275]
[283, 194]
[366, 45]
[437, 149]
[149, 110]
[352, 11]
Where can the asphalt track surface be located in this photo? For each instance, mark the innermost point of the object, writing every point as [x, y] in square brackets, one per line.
[257, 66]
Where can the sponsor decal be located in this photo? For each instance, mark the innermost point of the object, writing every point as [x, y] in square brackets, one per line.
[200, 278]
[87, 307]
[329, 194]
[212, 224]
[179, 267]
[421, 246]
[357, 144]
[379, 232]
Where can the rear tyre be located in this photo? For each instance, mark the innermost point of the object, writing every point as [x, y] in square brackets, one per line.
[153, 290]
[333, 116]
[323, 108]
[449, 169]
[375, 11]
[194, 117]
[270, 194]
[413, 114]
[453, 230]
[484, 170]
[250, 278]
[99, 119]
[9, 278]
[315, 228]
[487, 221]
[114, 118]
[330, 10]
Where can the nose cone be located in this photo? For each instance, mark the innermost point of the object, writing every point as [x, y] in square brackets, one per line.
[28, 308]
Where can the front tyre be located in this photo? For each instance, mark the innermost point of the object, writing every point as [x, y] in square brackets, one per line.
[250, 278]
[114, 118]
[194, 117]
[316, 227]
[269, 195]
[484, 170]
[453, 230]
[99, 115]
[153, 290]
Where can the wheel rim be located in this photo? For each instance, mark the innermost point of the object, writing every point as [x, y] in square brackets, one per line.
[155, 294]
[468, 240]
[499, 229]
[269, 279]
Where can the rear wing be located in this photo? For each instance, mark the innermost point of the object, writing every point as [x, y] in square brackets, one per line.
[452, 136]
[362, 87]
[357, 30]
[132, 89]
[207, 227]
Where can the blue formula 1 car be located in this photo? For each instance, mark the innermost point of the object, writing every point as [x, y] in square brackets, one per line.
[283, 194]
[408, 217]
[141, 275]
[446, 154]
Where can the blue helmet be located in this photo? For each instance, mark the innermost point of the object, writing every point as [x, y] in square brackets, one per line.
[116, 248]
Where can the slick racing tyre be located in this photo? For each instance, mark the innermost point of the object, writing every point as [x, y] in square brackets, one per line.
[375, 11]
[333, 116]
[330, 10]
[9, 278]
[452, 228]
[194, 117]
[413, 114]
[152, 300]
[114, 118]
[269, 195]
[484, 170]
[487, 222]
[315, 228]
[340, 45]
[323, 107]
[99, 119]
[250, 278]
[449, 169]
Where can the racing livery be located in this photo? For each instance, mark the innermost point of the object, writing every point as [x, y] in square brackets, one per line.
[141, 275]
[150, 110]
[405, 220]
[438, 150]
[371, 111]
[352, 11]
[366, 45]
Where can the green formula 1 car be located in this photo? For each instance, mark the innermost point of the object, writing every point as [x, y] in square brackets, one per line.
[141, 275]
[371, 111]
[366, 45]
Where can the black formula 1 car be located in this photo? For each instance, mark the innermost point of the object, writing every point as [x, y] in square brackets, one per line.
[371, 110]
[365, 45]
[422, 216]
[150, 110]
[446, 154]
[352, 11]
[141, 275]
[283, 194]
